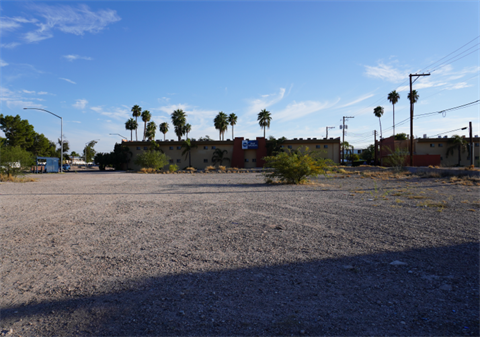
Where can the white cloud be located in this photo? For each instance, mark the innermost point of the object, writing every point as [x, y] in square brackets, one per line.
[118, 113]
[28, 92]
[42, 93]
[70, 20]
[460, 85]
[10, 45]
[422, 85]
[386, 72]
[259, 104]
[80, 104]
[77, 57]
[356, 101]
[297, 110]
[11, 24]
[66, 79]
[15, 100]
[3, 63]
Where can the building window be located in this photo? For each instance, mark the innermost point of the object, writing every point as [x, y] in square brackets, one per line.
[441, 158]
[205, 147]
[289, 146]
[477, 144]
[171, 161]
[325, 146]
[432, 145]
[317, 146]
[476, 157]
[214, 147]
[205, 160]
[179, 147]
[246, 160]
[170, 147]
[178, 160]
[254, 160]
[440, 145]
[145, 148]
[138, 147]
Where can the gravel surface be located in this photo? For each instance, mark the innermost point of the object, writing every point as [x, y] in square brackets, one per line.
[126, 254]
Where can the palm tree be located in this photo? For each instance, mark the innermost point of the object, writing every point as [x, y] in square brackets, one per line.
[136, 112]
[346, 147]
[188, 145]
[232, 120]
[264, 119]
[393, 97]
[179, 119]
[131, 125]
[378, 112]
[151, 130]
[146, 116]
[218, 156]
[415, 95]
[188, 128]
[461, 144]
[221, 124]
[164, 129]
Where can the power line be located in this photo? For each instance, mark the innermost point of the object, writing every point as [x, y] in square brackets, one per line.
[459, 58]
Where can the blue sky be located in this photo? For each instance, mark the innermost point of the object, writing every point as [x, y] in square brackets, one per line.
[308, 63]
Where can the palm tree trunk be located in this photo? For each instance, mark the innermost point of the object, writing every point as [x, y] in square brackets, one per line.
[136, 135]
[264, 131]
[393, 121]
[459, 156]
[232, 133]
[380, 121]
[144, 130]
[164, 136]
[131, 134]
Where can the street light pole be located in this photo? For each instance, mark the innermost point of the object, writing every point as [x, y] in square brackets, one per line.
[61, 133]
[117, 134]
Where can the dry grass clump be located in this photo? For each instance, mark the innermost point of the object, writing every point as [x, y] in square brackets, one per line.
[191, 169]
[472, 168]
[465, 181]
[209, 168]
[148, 170]
[385, 175]
[222, 168]
[15, 179]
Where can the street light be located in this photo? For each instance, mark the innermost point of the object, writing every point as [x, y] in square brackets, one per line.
[438, 134]
[86, 163]
[61, 133]
[113, 134]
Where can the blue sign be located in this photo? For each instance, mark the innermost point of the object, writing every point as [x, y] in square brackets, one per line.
[249, 145]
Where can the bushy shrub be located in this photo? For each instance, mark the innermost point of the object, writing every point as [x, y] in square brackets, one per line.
[209, 168]
[14, 160]
[191, 169]
[222, 168]
[294, 167]
[173, 168]
[152, 159]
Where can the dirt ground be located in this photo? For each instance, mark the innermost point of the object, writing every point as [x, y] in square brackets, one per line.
[123, 254]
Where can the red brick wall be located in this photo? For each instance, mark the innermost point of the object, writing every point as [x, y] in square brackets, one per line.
[262, 151]
[238, 155]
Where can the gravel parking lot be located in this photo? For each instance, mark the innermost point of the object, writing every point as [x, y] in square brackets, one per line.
[123, 254]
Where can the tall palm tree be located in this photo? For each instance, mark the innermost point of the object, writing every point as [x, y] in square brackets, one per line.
[151, 130]
[131, 125]
[164, 129]
[146, 116]
[378, 112]
[219, 156]
[179, 119]
[393, 97]
[221, 124]
[188, 128]
[232, 120]
[415, 95]
[136, 112]
[459, 143]
[188, 145]
[264, 119]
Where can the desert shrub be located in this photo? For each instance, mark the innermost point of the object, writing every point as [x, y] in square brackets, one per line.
[148, 170]
[152, 159]
[294, 167]
[173, 168]
[222, 168]
[209, 168]
[14, 160]
[397, 159]
[15, 179]
[191, 169]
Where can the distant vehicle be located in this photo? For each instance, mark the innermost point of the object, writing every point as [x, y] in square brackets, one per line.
[66, 167]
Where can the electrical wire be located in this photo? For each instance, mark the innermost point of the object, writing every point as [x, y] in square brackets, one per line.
[449, 60]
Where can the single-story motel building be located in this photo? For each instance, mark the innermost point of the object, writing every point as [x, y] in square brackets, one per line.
[241, 153]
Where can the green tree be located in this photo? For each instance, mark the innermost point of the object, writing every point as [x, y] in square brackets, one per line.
[188, 128]
[401, 136]
[74, 154]
[232, 120]
[413, 98]
[179, 119]
[294, 167]
[393, 97]
[164, 129]
[206, 138]
[131, 125]
[459, 143]
[188, 146]
[264, 118]
[103, 160]
[89, 151]
[369, 153]
[378, 112]
[14, 160]
[221, 124]
[219, 156]
[151, 130]
[146, 116]
[346, 147]
[274, 146]
[136, 112]
[152, 159]
[41, 146]
[18, 132]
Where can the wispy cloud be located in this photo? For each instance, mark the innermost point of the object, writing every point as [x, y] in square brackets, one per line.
[28, 92]
[15, 100]
[43, 93]
[118, 113]
[11, 24]
[301, 109]
[3, 63]
[356, 101]
[80, 104]
[77, 57]
[460, 85]
[386, 72]
[10, 45]
[66, 79]
[256, 105]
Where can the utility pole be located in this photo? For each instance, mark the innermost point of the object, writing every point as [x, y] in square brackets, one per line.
[411, 115]
[343, 137]
[471, 143]
[375, 145]
[328, 127]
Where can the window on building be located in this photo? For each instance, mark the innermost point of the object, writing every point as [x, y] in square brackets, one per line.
[325, 146]
[441, 158]
[170, 147]
[205, 160]
[145, 148]
[476, 157]
[178, 160]
[477, 144]
[205, 147]
[171, 161]
[440, 145]
[214, 147]
[317, 146]
[432, 145]
[254, 160]
[246, 160]
[289, 146]
[138, 147]
[179, 147]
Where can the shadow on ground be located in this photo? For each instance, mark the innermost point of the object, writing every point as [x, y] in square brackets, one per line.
[436, 293]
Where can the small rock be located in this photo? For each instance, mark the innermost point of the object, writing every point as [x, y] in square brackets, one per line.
[302, 331]
[446, 287]
[410, 272]
[402, 322]
[6, 332]
[398, 263]
[348, 267]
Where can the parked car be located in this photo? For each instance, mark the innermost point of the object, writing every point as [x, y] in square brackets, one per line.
[66, 167]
